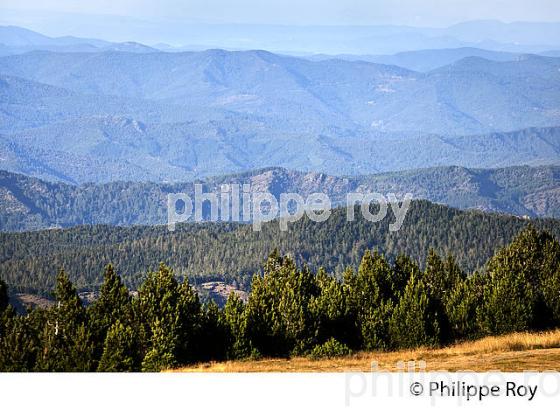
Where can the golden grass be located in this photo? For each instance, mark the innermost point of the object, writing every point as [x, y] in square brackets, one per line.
[511, 353]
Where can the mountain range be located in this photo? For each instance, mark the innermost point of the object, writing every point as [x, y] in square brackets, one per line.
[29, 203]
[81, 110]
[520, 37]
[472, 95]
[105, 116]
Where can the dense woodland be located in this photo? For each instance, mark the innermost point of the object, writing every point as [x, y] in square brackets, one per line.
[29, 261]
[290, 311]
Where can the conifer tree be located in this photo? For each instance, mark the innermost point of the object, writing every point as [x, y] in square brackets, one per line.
[19, 344]
[374, 271]
[278, 316]
[508, 304]
[403, 269]
[213, 336]
[375, 326]
[533, 257]
[441, 276]
[112, 305]
[290, 311]
[161, 355]
[551, 297]
[66, 340]
[120, 350]
[81, 350]
[69, 310]
[330, 311]
[239, 346]
[461, 307]
[369, 295]
[415, 320]
[175, 308]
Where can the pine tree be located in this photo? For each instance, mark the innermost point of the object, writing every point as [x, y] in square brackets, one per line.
[461, 307]
[279, 321]
[175, 309]
[375, 326]
[289, 311]
[415, 320]
[551, 297]
[440, 276]
[508, 304]
[213, 336]
[81, 350]
[374, 271]
[69, 311]
[67, 342]
[370, 294]
[161, 355]
[120, 350]
[239, 346]
[403, 269]
[19, 344]
[113, 305]
[330, 311]
[534, 258]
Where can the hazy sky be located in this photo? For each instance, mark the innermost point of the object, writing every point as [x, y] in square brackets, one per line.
[303, 12]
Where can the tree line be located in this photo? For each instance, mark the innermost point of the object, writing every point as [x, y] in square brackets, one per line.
[290, 311]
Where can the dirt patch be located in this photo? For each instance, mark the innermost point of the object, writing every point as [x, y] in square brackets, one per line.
[23, 301]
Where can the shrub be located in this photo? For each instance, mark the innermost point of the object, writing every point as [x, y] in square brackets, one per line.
[331, 348]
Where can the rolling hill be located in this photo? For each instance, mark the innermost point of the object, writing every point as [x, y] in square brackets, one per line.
[232, 253]
[29, 203]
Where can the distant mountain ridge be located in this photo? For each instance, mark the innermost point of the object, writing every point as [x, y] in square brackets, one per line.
[100, 117]
[109, 149]
[521, 37]
[426, 60]
[29, 203]
[472, 95]
[19, 40]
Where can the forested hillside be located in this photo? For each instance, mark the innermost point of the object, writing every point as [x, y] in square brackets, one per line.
[29, 203]
[29, 261]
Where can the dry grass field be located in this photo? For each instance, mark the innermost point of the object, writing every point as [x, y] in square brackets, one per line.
[510, 353]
